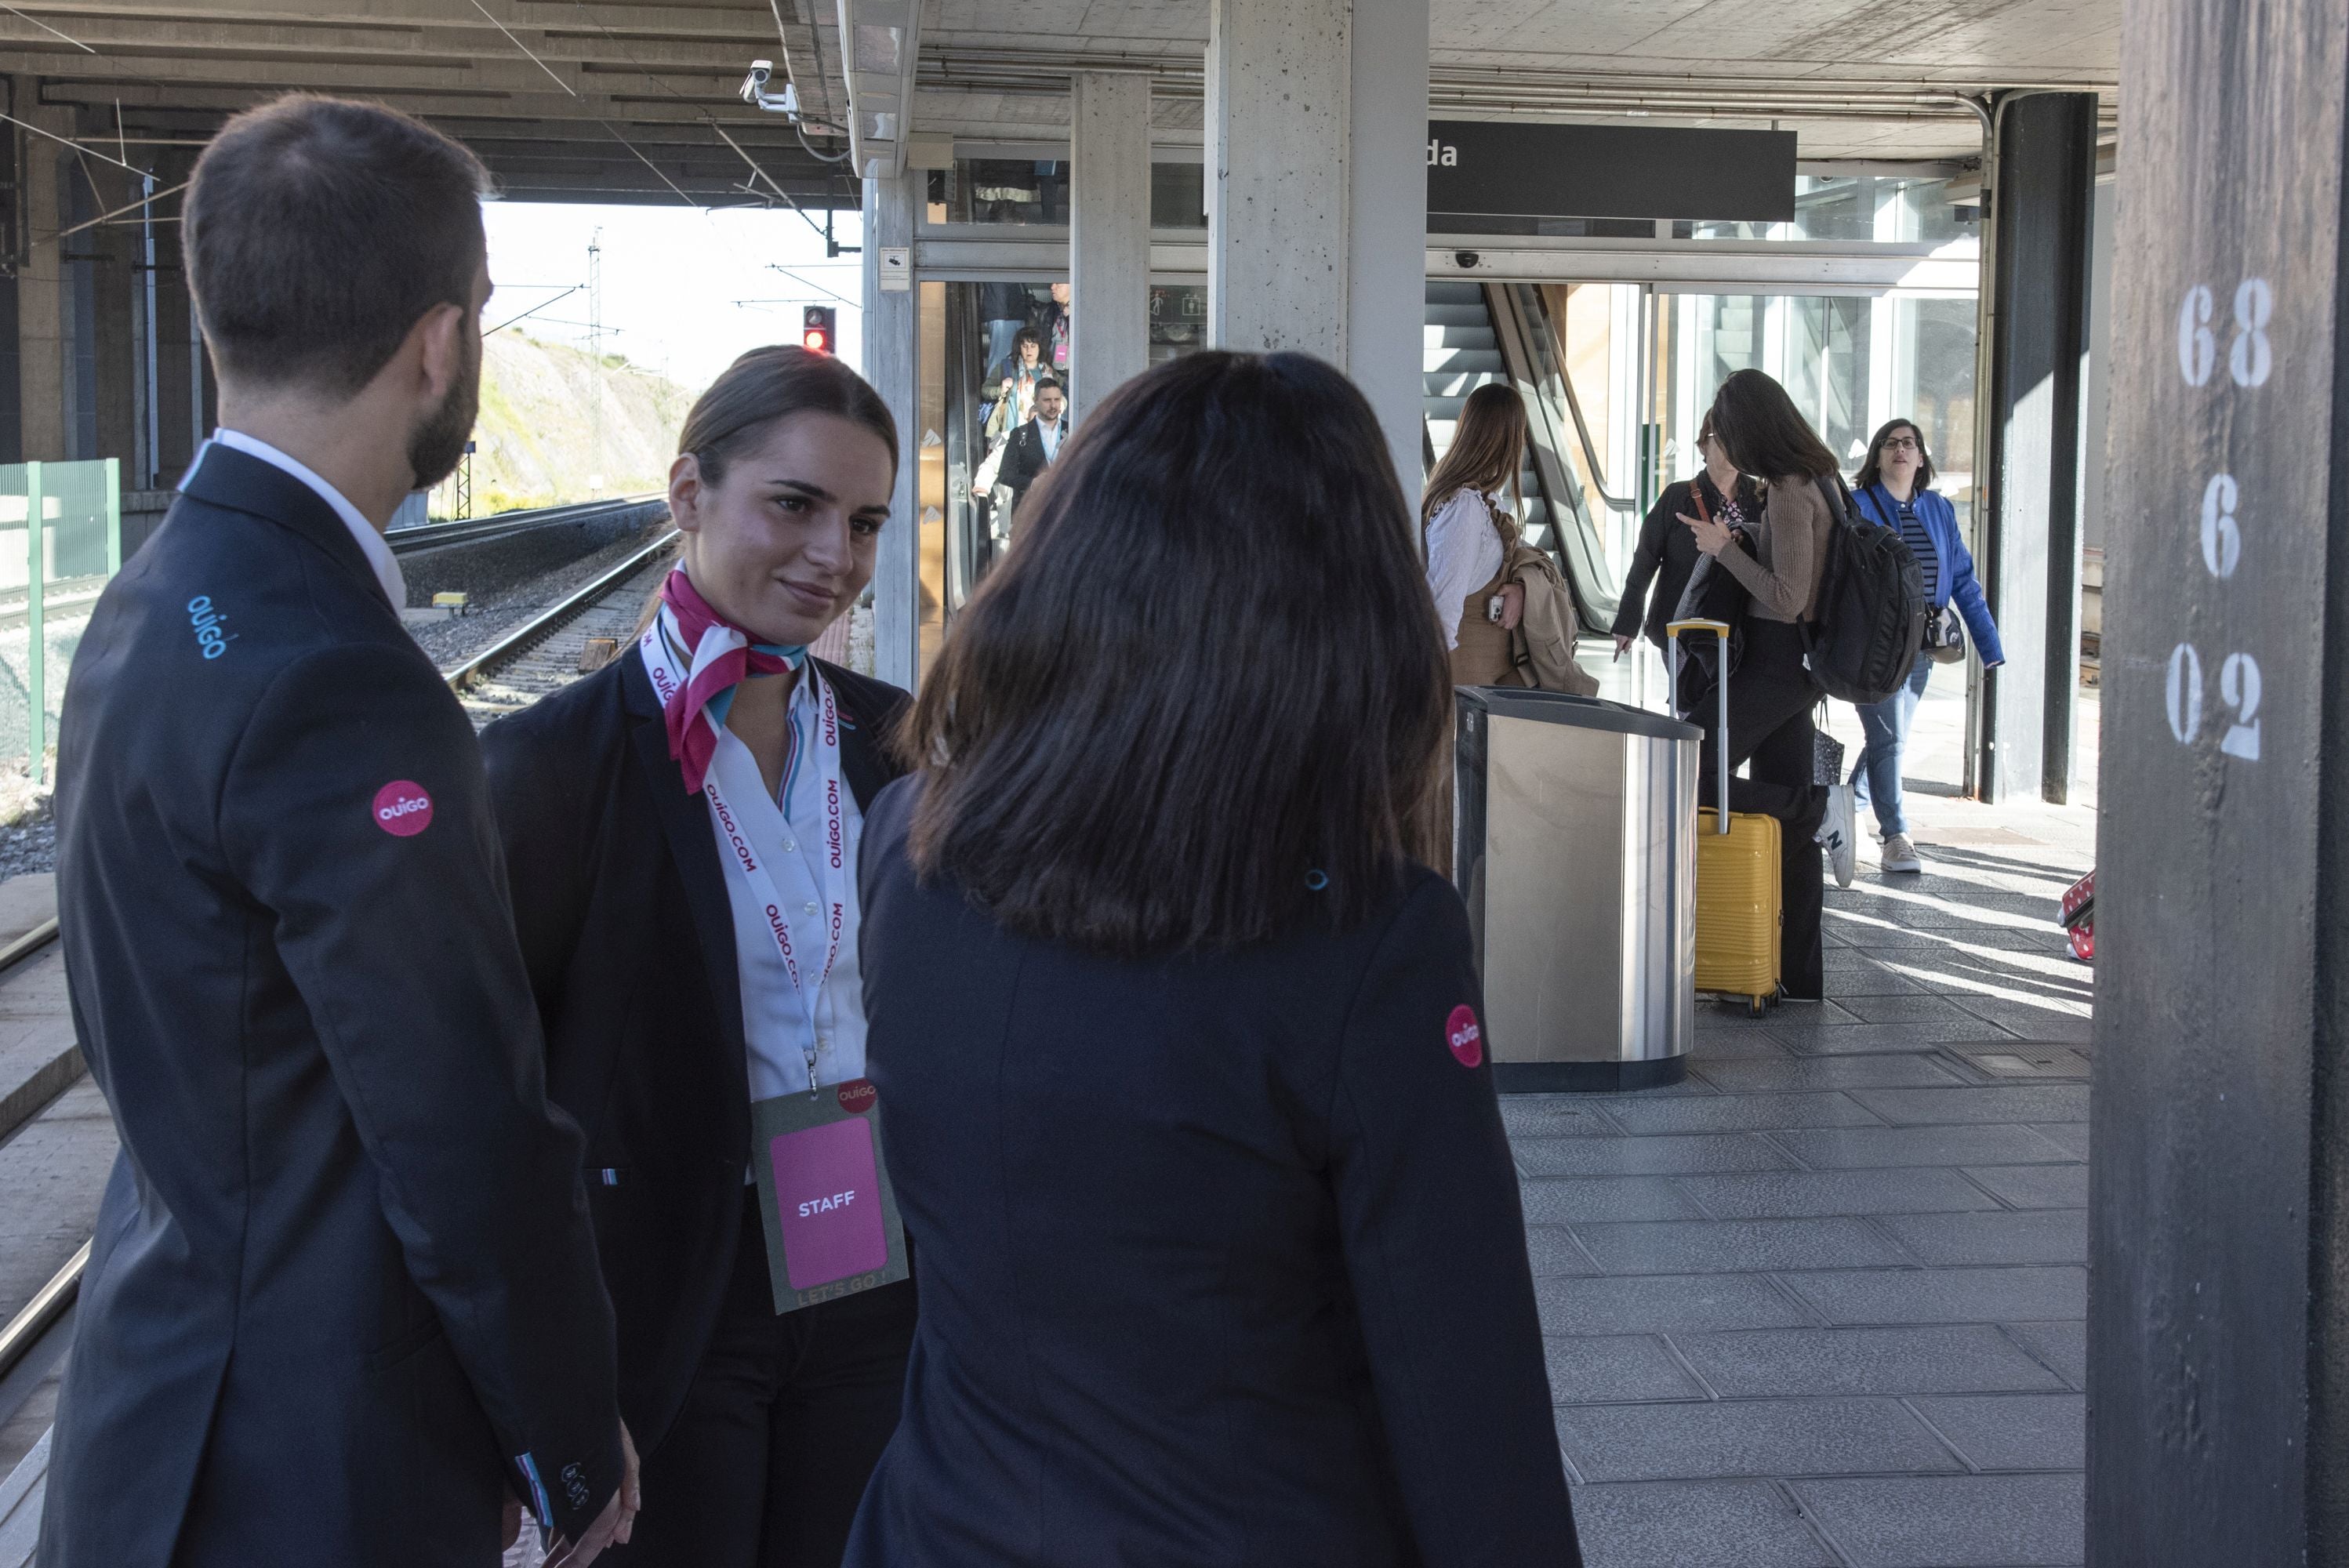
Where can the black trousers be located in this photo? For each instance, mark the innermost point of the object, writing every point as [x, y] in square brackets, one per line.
[1770, 701]
[780, 1428]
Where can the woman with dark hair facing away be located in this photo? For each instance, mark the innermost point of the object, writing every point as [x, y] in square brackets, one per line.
[1895, 490]
[1771, 694]
[680, 834]
[1192, 1121]
[1667, 552]
[1468, 536]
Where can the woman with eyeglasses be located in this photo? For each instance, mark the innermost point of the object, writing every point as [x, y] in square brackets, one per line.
[1893, 491]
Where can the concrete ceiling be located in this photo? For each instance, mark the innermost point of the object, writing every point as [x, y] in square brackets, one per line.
[578, 100]
[1854, 78]
[633, 99]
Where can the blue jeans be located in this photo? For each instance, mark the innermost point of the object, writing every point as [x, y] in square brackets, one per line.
[1875, 780]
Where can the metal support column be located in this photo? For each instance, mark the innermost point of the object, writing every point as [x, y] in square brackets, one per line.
[890, 363]
[2219, 1200]
[2044, 201]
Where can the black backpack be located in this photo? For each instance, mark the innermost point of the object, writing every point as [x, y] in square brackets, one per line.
[1870, 612]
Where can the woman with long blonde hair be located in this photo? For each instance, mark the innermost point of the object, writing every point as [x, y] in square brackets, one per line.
[1468, 535]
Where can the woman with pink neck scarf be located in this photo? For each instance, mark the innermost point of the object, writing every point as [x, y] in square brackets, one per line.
[680, 832]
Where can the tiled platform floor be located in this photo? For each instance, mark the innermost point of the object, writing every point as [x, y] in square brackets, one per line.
[1823, 1304]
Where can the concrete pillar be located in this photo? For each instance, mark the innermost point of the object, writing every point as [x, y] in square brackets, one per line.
[2043, 196]
[890, 363]
[42, 346]
[1109, 233]
[1317, 193]
[2218, 1193]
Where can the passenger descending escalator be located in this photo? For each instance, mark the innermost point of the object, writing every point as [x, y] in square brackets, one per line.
[1477, 334]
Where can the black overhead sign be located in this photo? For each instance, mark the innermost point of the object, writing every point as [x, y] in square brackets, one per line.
[1503, 168]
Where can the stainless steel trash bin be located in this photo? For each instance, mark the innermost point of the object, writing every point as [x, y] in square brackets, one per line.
[1573, 842]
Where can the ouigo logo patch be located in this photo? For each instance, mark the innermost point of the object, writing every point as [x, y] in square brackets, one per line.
[1464, 1036]
[402, 808]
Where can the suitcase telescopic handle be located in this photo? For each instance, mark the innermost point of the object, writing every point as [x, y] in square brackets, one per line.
[1720, 629]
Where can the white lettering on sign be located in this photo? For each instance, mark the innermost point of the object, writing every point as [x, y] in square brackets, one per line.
[1442, 154]
[814, 1206]
[2222, 542]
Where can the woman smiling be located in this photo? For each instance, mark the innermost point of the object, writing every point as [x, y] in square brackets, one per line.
[680, 834]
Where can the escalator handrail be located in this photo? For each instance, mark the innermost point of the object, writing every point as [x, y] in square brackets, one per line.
[1577, 548]
[1589, 447]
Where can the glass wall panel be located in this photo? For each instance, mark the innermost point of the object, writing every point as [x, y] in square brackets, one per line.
[1867, 208]
[989, 350]
[1849, 362]
[1000, 190]
[1028, 192]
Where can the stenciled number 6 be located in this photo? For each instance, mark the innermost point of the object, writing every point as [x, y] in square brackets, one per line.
[2198, 351]
[2222, 542]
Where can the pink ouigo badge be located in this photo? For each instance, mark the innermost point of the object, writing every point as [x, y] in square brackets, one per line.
[828, 1195]
[402, 808]
[1464, 1036]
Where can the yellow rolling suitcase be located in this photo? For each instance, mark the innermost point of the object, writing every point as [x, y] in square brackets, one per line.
[1738, 902]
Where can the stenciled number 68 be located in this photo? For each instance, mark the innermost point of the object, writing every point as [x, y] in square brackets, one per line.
[2250, 357]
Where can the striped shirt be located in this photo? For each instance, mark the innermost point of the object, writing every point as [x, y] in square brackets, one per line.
[1921, 545]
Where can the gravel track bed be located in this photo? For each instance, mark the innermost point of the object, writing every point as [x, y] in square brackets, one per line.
[454, 639]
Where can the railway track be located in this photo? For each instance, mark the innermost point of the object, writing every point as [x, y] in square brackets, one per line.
[564, 642]
[479, 530]
[539, 656]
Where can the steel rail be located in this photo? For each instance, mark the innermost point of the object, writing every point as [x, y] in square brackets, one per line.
[474, 531]
[31, 942]
[39, 1315]
[522, 638]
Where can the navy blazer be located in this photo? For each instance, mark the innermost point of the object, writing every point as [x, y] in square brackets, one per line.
[1222, 1258]
[628, 931]
[343, 1276]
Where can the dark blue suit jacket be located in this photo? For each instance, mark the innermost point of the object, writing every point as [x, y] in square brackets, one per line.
[1222, 1258]
[627, 931]
[343, 1290]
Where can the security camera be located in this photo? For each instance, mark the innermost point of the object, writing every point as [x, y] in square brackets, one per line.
[755, 93]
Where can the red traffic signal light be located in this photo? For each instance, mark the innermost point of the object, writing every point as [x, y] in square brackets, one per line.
[816, 329]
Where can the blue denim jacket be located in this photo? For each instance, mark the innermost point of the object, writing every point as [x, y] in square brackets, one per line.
[1958, 583]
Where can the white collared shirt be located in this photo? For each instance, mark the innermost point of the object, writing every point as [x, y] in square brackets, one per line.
[775, 1027]
[1464, 552]
[1051, 436]
[370, 539]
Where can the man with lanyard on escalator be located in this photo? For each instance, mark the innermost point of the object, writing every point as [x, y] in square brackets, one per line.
[681, 830]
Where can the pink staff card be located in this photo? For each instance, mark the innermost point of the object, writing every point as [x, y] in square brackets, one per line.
[830, 1216]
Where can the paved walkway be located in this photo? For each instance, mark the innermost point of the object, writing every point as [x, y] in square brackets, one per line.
[1823, 1304]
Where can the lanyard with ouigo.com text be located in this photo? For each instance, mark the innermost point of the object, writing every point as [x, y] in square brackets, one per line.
[662, 665]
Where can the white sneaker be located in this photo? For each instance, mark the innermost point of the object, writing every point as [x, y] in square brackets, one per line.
[1835, 834]
[1899, 855]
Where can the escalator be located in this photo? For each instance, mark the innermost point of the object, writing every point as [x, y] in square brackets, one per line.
[1478, 333]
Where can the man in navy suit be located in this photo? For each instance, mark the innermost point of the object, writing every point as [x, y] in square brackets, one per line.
[343, 1298]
